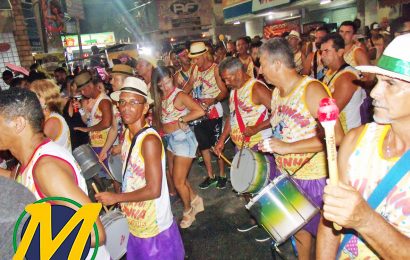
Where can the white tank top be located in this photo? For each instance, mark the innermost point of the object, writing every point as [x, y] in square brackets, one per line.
[50, 148]
[63, 139]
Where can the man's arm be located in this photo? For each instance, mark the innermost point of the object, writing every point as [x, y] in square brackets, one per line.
[106, 111]
[221, 85]
[220, 144]
[193, 76]
[55, 178]
[307, 65]
[345, 205]
[344, 89]
[361, 58]
[111, 137]
[328, 239]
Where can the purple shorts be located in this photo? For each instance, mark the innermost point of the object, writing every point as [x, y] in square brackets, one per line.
[166, 245]
[314, 190]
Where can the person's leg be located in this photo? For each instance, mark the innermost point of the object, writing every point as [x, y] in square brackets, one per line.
[170, 181]
[180, 173]
[303, 244]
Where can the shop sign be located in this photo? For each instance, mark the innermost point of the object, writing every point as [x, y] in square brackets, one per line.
[258, 5]
[173, 14]
[184, 7]
[278, 27]
[106, 38]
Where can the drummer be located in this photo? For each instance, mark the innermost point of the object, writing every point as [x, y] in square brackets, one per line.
[248, 121]
[21, 119]
[100, 118]
[145, 199]
[296, 145]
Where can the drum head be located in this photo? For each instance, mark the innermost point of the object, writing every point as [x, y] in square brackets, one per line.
[116, 229]
[241, 178]
[115, 165]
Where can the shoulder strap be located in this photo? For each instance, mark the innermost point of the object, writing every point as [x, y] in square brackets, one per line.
[337, 72]
[315, 65]
[134, 139]
[385, 186]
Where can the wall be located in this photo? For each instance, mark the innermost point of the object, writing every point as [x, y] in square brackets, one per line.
[10, 56]
[331, 16]
[254, 27]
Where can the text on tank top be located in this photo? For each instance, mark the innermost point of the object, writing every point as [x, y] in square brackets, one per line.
[98, 138]
[63, 139]
[146, 218]
[291, 121]
[206, 87]
[366, 167]
[350, 116]
[169, 113]
[49, 148]
[249, 112]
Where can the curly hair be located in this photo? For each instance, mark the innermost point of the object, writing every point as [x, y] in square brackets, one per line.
[50, 92]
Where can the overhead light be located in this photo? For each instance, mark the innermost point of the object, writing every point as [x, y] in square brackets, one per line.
[323, 2]
[270, 17]
[172, 40]
[236, 23]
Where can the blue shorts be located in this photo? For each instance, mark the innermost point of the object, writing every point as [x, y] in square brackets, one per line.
[182, 143]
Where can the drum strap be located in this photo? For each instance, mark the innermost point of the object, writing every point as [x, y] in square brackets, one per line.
[134, 139]
[382, 190]
[241, 124]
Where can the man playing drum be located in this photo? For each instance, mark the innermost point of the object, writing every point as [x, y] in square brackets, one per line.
[366, 156]
[145, 199]
[248, 122]
[47, 169]
[296, 145]
[100, 117]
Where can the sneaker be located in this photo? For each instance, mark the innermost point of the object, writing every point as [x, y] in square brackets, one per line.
[207, 183]
[221, 183]
[200, 161]
[247, 227]
[262, 239]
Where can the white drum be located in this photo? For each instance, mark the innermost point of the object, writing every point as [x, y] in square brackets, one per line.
[115, 165]
[117, 232]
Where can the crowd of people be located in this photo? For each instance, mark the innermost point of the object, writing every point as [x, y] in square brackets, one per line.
[162, 114]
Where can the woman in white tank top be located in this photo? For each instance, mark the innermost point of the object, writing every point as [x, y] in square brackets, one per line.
[55, 127]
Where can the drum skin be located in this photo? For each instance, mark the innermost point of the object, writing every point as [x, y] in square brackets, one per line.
[252, 174]
[117, 232]
[282, 209]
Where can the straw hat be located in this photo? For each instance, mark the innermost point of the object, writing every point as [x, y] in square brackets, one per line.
[149, 58]
[82, 79]
[133, 85]
[122, 69]
[293, 33]
[197, 49]
[395, 60]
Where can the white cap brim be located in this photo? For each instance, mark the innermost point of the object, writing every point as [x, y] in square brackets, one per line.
[380, 71]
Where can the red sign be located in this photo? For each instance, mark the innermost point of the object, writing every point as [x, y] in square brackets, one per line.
[4, 46]
[278, 27]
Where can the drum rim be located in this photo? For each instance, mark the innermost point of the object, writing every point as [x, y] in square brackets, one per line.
[261, 192]
[233, 167]
[113, 172]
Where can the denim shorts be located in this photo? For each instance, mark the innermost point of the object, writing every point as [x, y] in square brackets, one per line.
[182, 143]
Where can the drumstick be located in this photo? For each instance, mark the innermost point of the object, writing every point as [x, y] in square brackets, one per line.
[240, 152]
[327, 114]
[222, 156]
[96, 192]
[103, 165]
